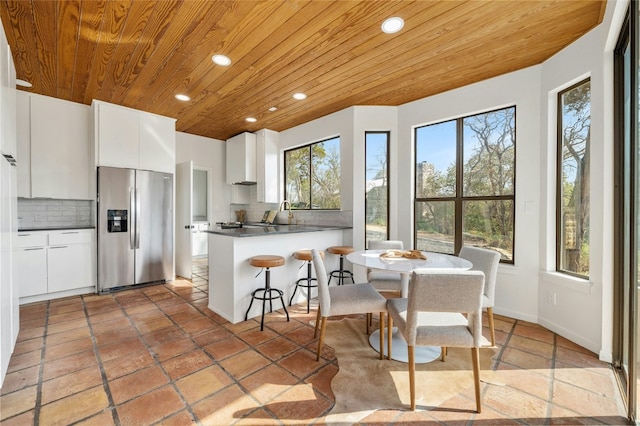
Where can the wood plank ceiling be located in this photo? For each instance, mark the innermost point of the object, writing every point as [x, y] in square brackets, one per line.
[141, 53]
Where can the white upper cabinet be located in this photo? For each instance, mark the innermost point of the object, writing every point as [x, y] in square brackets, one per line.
[241, 158]
[23, 137]
[129, 138]
[8, 99]
[61, 165]
[267, 166]
[157, 143]
[117, 133]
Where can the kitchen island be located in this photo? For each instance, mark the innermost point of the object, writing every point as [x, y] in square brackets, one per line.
[232, 279]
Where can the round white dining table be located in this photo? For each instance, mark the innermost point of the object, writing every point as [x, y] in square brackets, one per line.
[405, 266]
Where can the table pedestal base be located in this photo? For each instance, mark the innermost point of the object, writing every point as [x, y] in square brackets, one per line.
[399, 352]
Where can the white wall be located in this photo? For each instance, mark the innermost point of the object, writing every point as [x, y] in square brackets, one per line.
[517, 285]
[583, 308]
[209, 154]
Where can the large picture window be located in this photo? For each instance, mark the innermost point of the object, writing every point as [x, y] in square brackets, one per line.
[465, 183]
[312, 175]
[574, 134]
[377, 186]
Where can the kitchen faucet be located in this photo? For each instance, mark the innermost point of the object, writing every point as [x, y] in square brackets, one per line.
[283, 205]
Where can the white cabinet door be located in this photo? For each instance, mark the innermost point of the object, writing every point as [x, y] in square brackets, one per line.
[31, 271]
[23, 136]
[69, 267]
[241, 158]
[117, 133]
[157, 143]
[267, 166]
[61, 163]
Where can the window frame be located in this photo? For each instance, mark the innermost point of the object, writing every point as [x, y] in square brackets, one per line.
[388, 212]
[559, 174]
[310, 159]
[459, 198]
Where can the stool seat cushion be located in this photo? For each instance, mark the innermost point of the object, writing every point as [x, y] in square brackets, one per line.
[266, 261]
[305, 255]
[340, 250]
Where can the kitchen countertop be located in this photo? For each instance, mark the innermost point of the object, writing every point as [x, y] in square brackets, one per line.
[54, 228]
[249, 230]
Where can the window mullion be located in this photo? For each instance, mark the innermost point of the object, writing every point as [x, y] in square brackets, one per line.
[459, 190]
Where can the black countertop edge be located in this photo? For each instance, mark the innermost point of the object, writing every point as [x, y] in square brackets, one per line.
[276, 229]
[55, 228]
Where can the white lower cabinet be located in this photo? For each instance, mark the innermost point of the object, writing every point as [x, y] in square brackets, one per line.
[68, 267]
[52, 264]
[31, 271]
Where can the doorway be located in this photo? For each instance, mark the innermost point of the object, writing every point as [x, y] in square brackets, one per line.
[626, 347]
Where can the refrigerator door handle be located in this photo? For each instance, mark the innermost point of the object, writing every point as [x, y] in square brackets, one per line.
[137, 219]
[132, 243]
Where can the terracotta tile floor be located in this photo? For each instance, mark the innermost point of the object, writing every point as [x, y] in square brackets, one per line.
[157, 355]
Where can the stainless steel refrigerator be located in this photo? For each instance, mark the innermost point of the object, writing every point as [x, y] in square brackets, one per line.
[135, 227]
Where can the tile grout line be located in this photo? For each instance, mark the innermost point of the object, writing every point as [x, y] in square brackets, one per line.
[38, 402]
[103, 374]
[552, 375]
[495, 368]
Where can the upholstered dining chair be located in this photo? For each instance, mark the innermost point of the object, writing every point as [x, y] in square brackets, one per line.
[385, 281]
[433, 314]
[345, 300]
[487, 261]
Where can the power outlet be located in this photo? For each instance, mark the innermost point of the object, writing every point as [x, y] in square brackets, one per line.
[551, 298]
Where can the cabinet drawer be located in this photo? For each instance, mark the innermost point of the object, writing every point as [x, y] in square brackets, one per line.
[69, 237]
[31, 239]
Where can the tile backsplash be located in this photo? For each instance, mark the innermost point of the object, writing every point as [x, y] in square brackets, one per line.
[255, 210]
[46, 213]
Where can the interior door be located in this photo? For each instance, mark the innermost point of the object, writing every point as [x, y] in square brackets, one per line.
[184, 218]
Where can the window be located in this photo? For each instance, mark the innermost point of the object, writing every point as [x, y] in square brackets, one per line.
[572, 222]
[312, 175]
[377, 186]
[465, 183]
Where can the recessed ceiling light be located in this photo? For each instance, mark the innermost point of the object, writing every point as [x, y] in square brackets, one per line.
[273, 109]
[392, 25]
[221, 60]
[299, 96]
[23, 83]
[251, 119]
[183, 98]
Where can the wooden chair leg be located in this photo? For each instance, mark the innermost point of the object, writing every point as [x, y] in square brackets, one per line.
[381, 335]
[443, 353]
[389, 335]
[475, 358]
[412, 376]
[322, 329]
[315, 332]
[491, 327]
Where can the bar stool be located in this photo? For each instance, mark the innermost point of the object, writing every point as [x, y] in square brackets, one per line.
[266, 261]
[305, 281]
[341, 274]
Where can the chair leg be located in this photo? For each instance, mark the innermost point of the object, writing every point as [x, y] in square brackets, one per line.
[367, 322]
[322, 329]
[475, 358]
[491, 327]
[412, 376]
[381, 335]
[315, 332]
[443, 353]
[389, 335]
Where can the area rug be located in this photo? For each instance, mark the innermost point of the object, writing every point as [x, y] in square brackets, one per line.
[364, 383]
